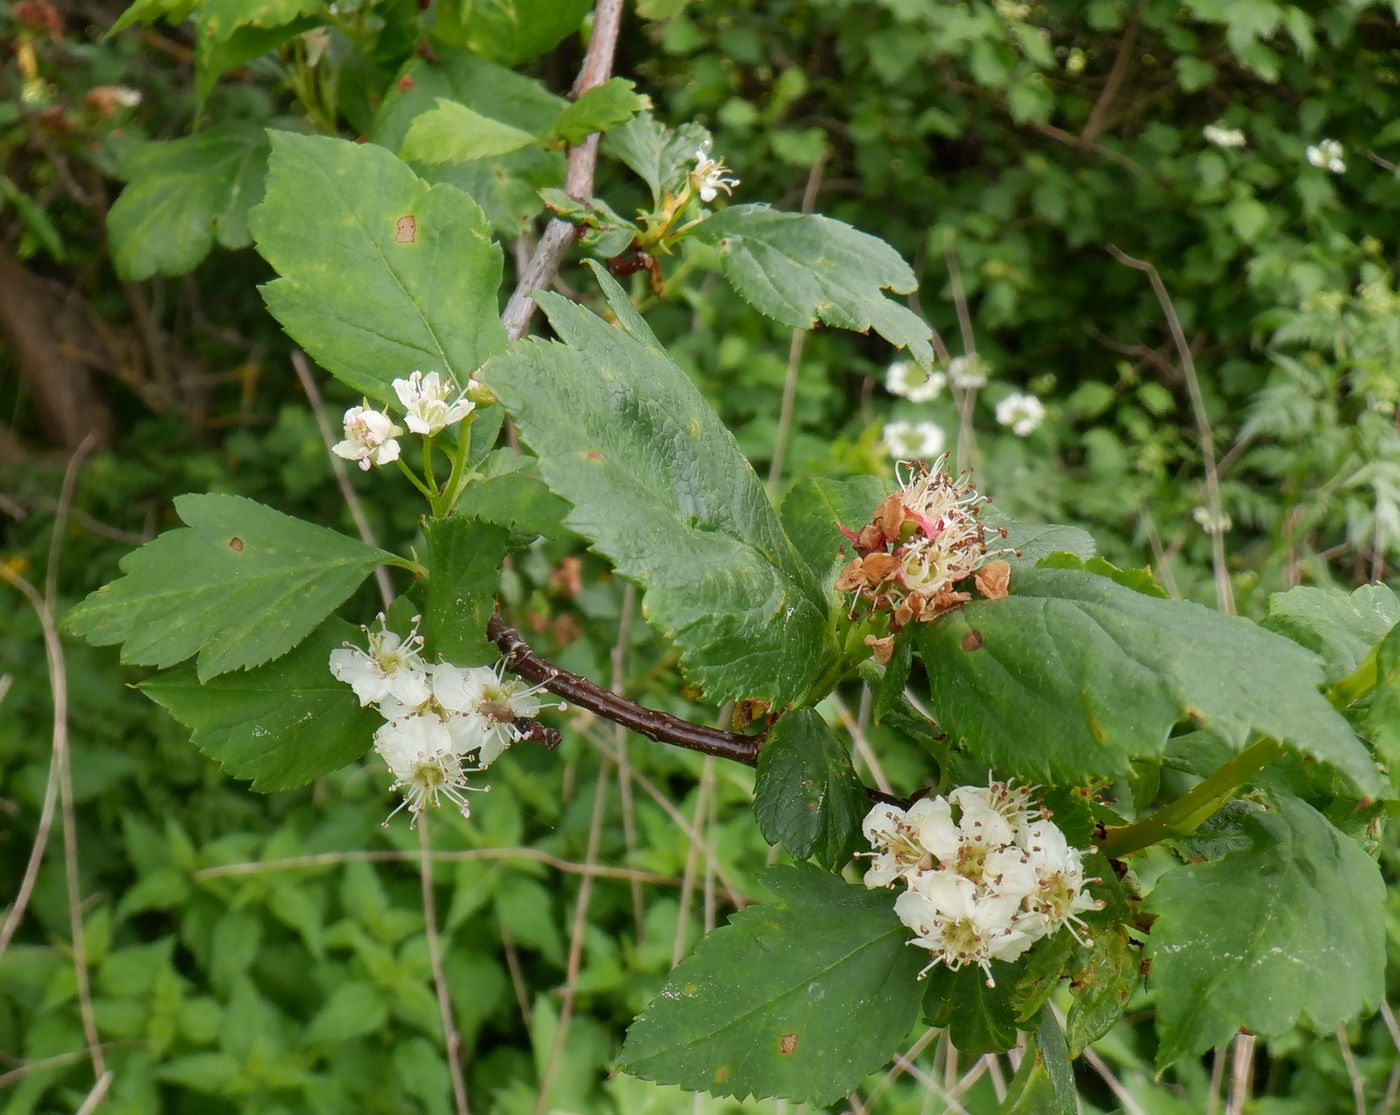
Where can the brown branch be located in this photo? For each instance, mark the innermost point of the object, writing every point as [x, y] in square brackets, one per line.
[1098, 120]
[655, 725]
[578, 182]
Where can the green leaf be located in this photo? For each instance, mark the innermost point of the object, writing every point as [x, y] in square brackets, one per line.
[148, 11]
[1381, 722]
[799, 998]
[215, 55]
[219, 19]
[814, 508]
[239, 585]
[381, 274]
[1034, 541]
[1074, 675]
[801, 268]
[505, 186]
[658, 484]
[279, 726]
[1340, 627]
[658, 155]
[453, 133]
[807, 796]
[508, 31]
[603, 231]
[464, 560]
[352, 1010]
[1290, 929]
[182, 196]
[604, 106]
[1139, 580]
[1102, 985]
[511, 494]
[1044, 1084]
[979, 1019]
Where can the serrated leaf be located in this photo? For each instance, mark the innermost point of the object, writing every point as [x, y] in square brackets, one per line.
[799, 998]
[659, 486]
[1034, 541]
[511, 494]
[604, 106]
[1380, 722]
[182, 196]
[658, 155]
[508, 31]
[454, 133]
[215, 55]
[1103, 983]
[1290, 930]
[464, 566]
[505, 186]
[240, 584]
[889, 693]
[1139, 580]
[801, 268]
[1074, 675]
[807, 796]
[221, 18]
[281, 725]
[353, 1009]
[1044, 1084]
[604, 232]
[1340, 627]
[815, 507]
[148, 11]
[381, 274]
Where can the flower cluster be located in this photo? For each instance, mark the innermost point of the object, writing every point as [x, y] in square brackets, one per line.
[1219, 135]
[922, 541]
[441, 722]
[1023, 413]
[1327, 154]
[370, 435]
[986, 876]
[908, 440]
[709, 175]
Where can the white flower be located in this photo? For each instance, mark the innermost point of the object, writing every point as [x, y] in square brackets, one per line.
[967, 372]
[1209, 523]
[1328, 154]
[960, 923]
[391, 671]
[708, 175]
[1059, 895]
[1221, 136]
[369, 438]
[1023, 413]
[907, 379]
[896, 834]
[909, 440]
[493, 700]
[419, 753]
[425, 400]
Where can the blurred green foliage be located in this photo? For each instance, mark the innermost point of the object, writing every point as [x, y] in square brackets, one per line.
[1001, 147]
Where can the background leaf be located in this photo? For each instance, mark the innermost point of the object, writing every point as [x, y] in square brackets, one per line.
[182, 196]
[239, 585]
[801, 268]
[798, 998]
[658, 484]
[508, 31]
[1073, 675]
[281, 725]
[381, 274]
[1339, 627]
[454, 133]
[1290, 929]
[604, 106]
[807, 796]
[658, 155]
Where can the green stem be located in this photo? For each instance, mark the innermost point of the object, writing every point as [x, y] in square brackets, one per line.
[428, 463]
[407, 563]
[452, 490]
[1188, 812]
[1357, 683]
[428, 493]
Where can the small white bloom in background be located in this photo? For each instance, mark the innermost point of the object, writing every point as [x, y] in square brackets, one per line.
[425, 400]
[316, 41]
[709, 175]
[392, 670]
[419, 754]
[908, 380]
[911, 440]
[369, 438]
[1023, 413]
[1221, 136]
[1209, 523]
[1328, 155]
[967, 372]
[985, 874]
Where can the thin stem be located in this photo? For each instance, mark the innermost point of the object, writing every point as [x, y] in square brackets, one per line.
[452, 1040]
[428, 493]
[428, 466]
[1188, 812]
[1224, 592]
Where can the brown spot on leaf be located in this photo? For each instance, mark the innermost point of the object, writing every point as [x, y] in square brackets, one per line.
[787, 1045]
[721, 1074]
[404, 84]
[1095, 730]
[406, 229]
[593, 455]
[972, 640]
[235, 544]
